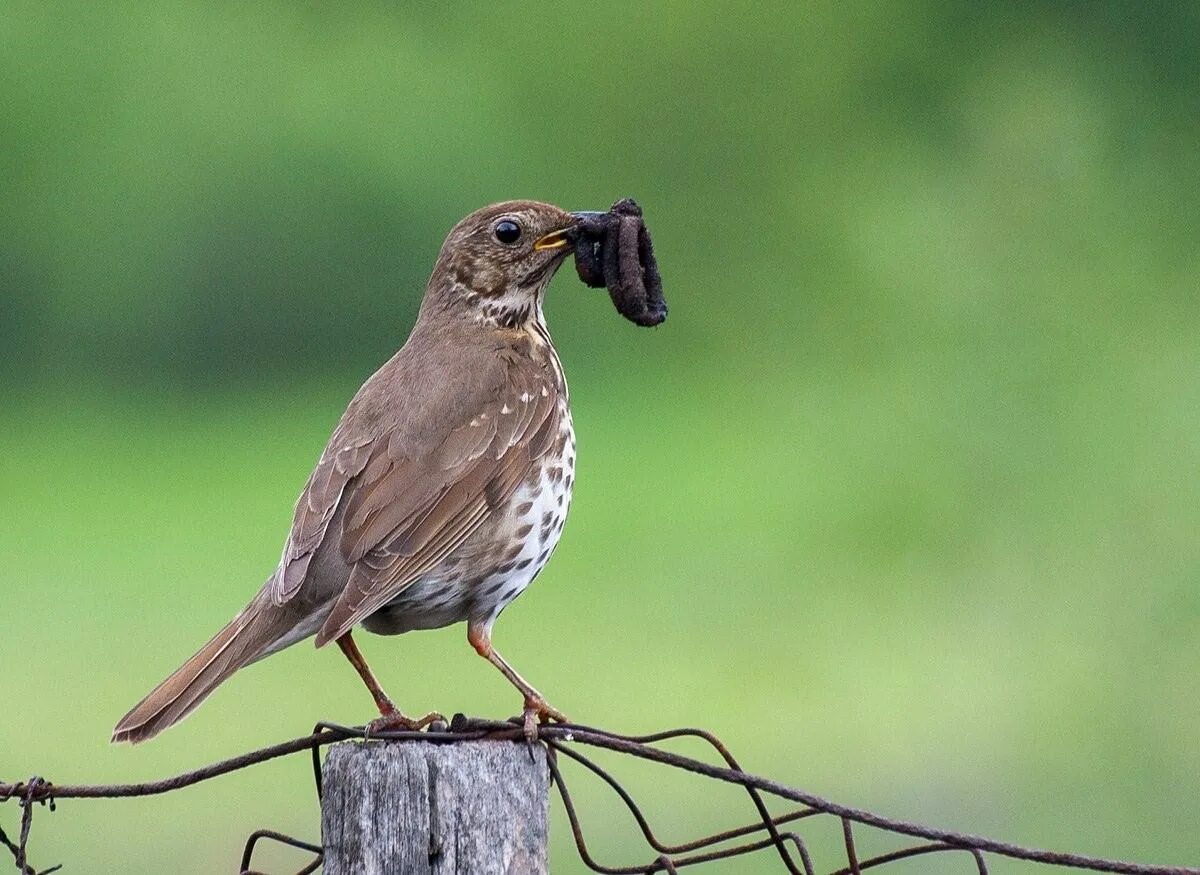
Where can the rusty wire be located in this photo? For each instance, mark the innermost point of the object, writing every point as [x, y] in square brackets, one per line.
[766, 833]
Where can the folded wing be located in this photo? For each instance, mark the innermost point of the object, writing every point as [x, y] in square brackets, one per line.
[407, 501]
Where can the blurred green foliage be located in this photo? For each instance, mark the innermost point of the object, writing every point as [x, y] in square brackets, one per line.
[902, 501]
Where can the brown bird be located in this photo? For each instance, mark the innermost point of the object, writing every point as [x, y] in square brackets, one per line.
[444, 488]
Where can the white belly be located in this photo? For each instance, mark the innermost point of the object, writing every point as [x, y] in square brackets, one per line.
[497, 563]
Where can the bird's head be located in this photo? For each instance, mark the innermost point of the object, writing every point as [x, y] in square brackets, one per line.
[499, 259]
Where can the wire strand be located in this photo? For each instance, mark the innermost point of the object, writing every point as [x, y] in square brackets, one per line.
[569, 741]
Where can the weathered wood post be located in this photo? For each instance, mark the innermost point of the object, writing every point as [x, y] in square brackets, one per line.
[416, 808]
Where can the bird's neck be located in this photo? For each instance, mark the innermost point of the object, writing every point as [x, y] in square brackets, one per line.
[512, 309]
[517, 321]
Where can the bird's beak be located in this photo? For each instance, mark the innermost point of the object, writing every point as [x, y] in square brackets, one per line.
[554, 240]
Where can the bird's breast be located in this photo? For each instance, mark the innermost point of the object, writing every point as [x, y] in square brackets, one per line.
[501, 558]
[525, 537]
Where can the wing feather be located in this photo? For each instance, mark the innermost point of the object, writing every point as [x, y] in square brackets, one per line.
[419, 544]
[410, 492]
[314, 510]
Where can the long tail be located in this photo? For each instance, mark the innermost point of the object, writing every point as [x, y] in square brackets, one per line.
[247, 637]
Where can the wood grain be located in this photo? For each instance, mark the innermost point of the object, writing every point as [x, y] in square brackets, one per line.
[415, 808]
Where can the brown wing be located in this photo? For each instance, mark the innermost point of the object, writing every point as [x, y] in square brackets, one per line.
[407, 500]
[404, 515]
[342, 461]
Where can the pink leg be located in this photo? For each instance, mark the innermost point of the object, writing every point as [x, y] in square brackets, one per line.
[536, 707]
[391, 717]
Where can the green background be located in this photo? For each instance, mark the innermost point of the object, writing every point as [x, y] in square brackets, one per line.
[902, 501]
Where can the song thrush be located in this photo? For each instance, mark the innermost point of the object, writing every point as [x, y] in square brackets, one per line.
[444, 488]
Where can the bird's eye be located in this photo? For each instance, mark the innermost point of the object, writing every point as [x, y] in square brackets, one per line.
[507, 231]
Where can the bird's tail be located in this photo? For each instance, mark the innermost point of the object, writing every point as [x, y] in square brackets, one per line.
[245, 639]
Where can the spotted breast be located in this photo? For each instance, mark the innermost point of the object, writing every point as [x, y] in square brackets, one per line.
[496, 564]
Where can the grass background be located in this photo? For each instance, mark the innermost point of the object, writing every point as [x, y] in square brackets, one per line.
[902, 501]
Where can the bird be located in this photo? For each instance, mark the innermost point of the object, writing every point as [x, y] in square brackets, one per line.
[443, 490]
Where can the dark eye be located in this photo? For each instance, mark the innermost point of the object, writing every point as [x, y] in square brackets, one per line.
[507, 231]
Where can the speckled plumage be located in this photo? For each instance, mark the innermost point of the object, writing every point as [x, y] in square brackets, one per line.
[444, 487]
[490, 569]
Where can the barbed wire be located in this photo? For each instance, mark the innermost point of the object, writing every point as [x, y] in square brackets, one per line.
[765, 833]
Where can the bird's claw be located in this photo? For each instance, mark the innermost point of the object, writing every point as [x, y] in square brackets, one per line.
[538, 710]
[397, 721]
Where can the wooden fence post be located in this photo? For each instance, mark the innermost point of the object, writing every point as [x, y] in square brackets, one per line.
[416, 808]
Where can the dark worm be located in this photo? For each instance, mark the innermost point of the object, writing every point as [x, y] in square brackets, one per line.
[613, 250]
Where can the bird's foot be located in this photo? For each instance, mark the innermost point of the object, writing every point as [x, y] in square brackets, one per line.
[538, 710]
[394, 720]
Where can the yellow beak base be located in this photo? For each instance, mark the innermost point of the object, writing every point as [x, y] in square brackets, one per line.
[556, 240]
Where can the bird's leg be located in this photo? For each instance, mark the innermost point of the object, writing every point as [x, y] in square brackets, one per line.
[390, 715]
[382, 701]
[536, 707]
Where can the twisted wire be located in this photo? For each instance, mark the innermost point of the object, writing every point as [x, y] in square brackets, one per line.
[776, 834]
